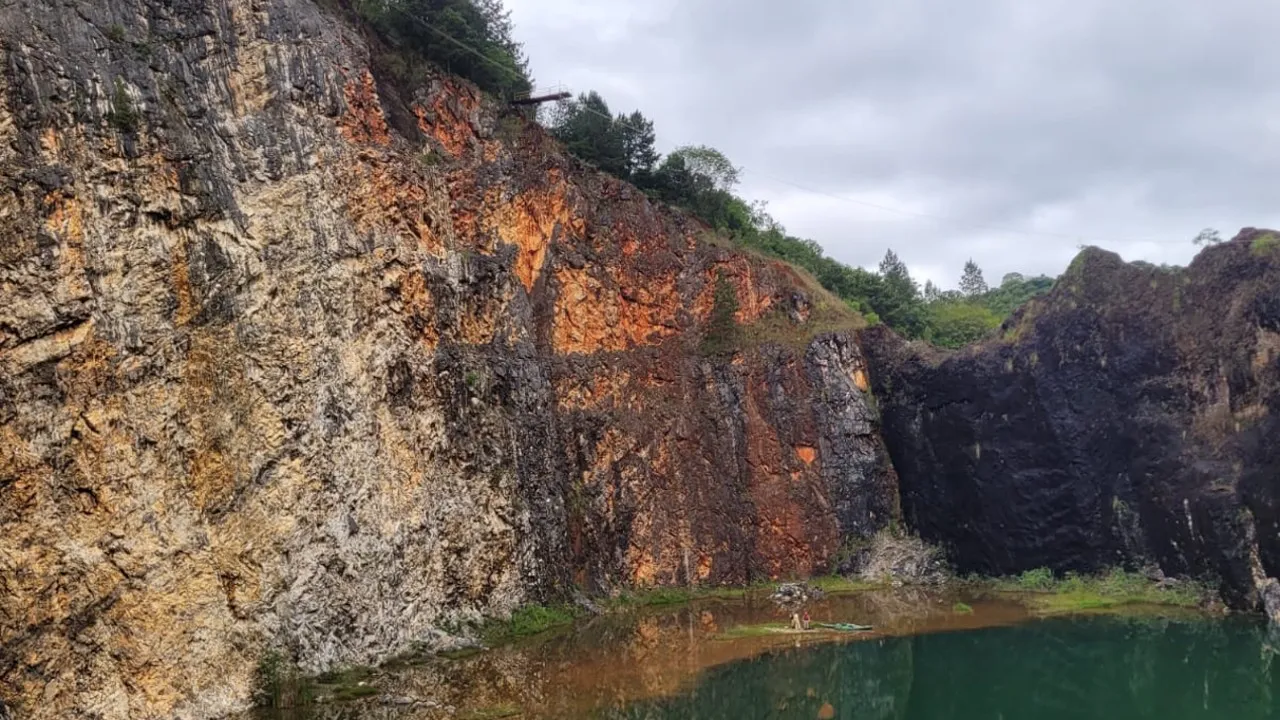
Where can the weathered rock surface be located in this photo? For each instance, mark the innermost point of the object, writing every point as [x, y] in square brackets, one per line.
[292, 357]
[1132, 416]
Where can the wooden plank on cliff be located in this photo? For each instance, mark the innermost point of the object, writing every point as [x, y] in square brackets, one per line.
[538, 99]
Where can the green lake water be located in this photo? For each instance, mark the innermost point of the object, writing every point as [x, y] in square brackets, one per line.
[1101, 668]
[925, 660]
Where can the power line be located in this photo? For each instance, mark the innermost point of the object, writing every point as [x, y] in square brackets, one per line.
[863, 203]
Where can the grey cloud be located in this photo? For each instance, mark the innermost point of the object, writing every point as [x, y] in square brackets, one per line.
[1092, 119]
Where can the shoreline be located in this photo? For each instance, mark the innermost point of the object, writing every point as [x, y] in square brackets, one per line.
[681, 634]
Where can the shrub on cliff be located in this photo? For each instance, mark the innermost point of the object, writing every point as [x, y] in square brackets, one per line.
[902, 558]
[722, 327]
[1265, 244]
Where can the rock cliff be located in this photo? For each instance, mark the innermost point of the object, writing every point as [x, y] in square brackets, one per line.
[295, 357]
[1130, 417]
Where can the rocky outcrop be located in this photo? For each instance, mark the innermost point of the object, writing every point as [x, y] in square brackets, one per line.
[1128, 418]
[296, 357]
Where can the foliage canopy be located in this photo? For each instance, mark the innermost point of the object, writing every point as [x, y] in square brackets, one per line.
[471, 38]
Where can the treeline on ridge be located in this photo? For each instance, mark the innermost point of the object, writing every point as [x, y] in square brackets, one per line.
[701, 179]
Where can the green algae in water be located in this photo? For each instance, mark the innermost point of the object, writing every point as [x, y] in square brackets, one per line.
[1100, 668]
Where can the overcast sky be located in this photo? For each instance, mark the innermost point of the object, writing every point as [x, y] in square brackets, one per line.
[1028, 127]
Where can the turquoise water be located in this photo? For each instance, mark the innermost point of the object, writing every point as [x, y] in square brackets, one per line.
[1100, 668]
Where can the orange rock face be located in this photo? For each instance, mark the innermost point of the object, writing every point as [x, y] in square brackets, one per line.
[364, 121]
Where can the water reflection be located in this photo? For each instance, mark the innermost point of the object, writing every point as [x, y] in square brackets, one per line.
[1099, 668]
[924, 661]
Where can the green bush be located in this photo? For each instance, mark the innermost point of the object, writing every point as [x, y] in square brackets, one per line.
[527, 620]
[1113, 588]
[956, 324]
[123, 116]
[1264, 244]
[533, 619]
[1037, 579]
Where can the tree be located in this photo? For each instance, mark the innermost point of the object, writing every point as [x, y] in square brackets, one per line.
[589, 131]
[764, 222]
[931, 292]
[637, 139]
[1207, 236]
[897, 300]
[675, 183]
[710, 164]
[699, 179]
[1014, 291]
[893, 267]
[971, 282]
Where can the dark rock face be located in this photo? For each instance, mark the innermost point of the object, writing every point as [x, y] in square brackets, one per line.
[1129, 417]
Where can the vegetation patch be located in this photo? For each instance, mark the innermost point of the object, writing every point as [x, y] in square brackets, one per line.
[1046, 594]
[962, 609]
[657, 597]
[510, 126]
[526, 621]
[776, 328]
[1265, 244]
[750, 631]
[428, 158]
[123, 115]
[826, 314]
[279, 684]
[837, 584]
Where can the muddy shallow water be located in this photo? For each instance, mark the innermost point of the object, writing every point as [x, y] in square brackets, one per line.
[678, 663]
